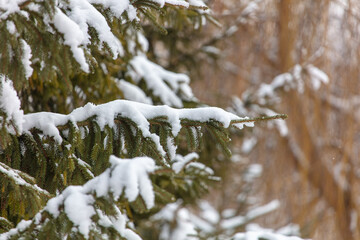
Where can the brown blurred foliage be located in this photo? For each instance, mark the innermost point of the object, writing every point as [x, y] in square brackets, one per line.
[314, 171]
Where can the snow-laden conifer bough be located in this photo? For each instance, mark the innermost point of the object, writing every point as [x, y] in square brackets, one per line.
[126, 178]
[88, 174]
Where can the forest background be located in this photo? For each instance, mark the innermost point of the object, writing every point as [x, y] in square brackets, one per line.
[314, 169]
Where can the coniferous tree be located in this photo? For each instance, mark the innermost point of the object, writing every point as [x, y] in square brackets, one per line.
[75, 171]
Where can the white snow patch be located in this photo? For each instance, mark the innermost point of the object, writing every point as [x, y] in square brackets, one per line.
[10, 104]
[163, 83]
[139, 113]
[133, 92]
[9, 7]
[132, 176]
[78, 208]
[128, 176]
[197, 3]
[73, 37]
[181, 161]
[184, 226]
[172, 2]
[317, 76]
[10, 26]
[26, 59]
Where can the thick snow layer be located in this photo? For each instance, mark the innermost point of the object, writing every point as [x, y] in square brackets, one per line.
[10, 104]
[163, 83]
[139, 113]
[172, 2]
[128, 176]
[78, 208]
[73, 37]
[8, 7]
[10, 26]
[75, 23]
[86, 15]
[117, 7]
[132, 177]
[132, 92]
[197, 3]
[26, 59]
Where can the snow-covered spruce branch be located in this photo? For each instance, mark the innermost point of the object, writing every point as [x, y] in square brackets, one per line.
[89, 210]
[21, 179]
[96, 208]
[141, 117]
[83, 32]
[263, 118]
[142, 114]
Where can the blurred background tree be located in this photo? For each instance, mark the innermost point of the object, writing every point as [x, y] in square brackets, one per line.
[313, 167]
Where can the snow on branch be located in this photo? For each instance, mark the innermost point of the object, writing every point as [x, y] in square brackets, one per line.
[292, 80]
[252, 235]
[180, 223]
[75, 22]
[10, 105]
[21, 179]
[182, 3]
[237, 221]
[179, 3]
[164, 84]
[256, 102]
[132, 92]
[141, 114]
[74, 18]
[125, 177]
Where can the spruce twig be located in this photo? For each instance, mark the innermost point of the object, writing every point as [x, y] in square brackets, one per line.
[259, 119]
[184, 122]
